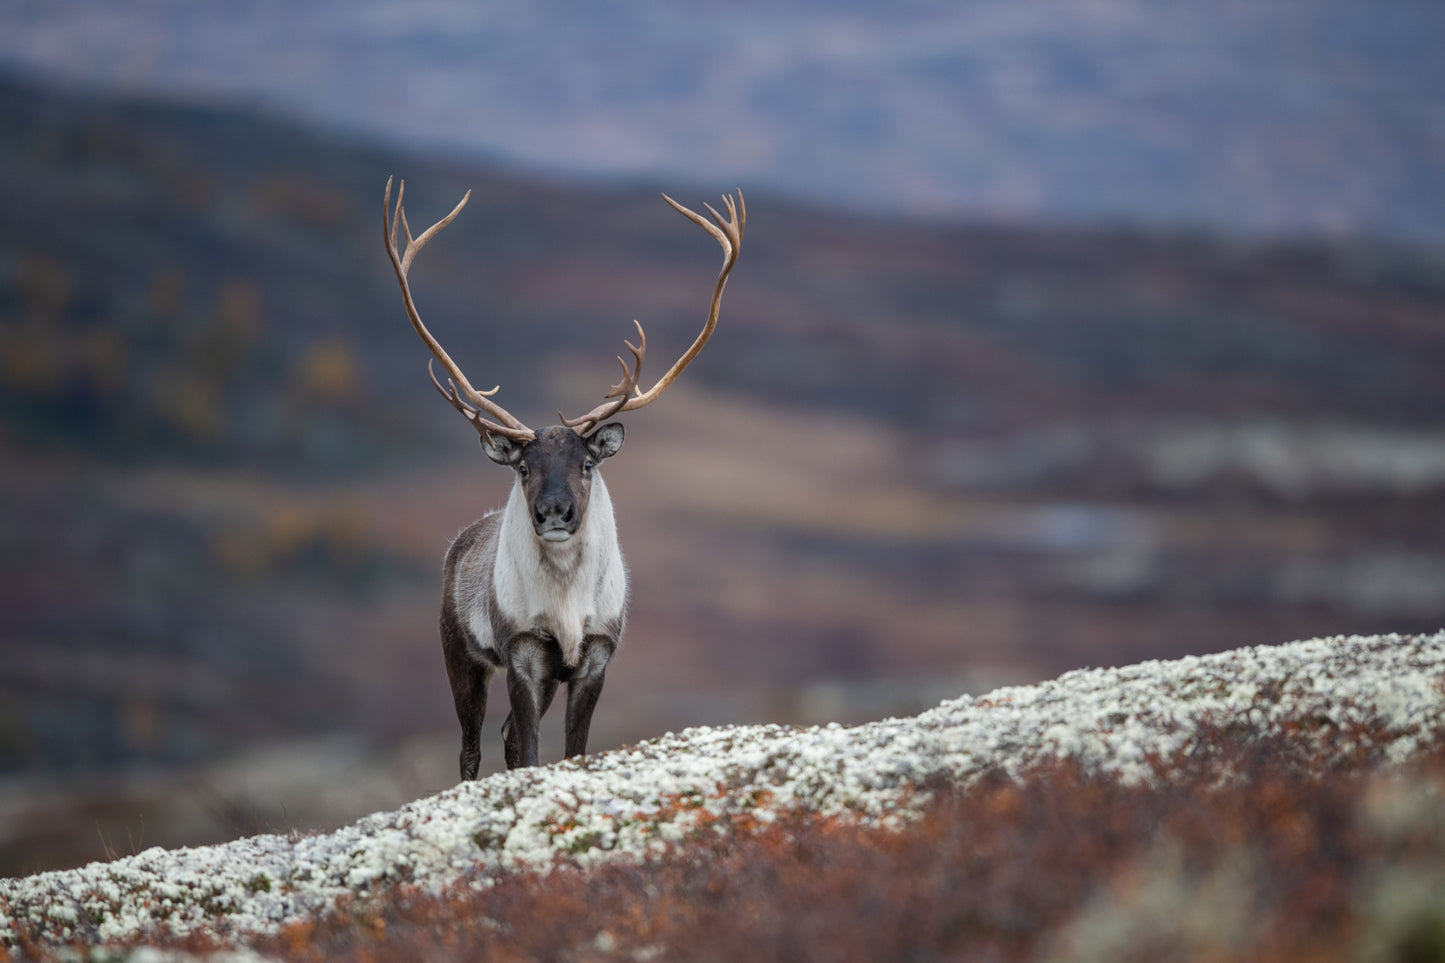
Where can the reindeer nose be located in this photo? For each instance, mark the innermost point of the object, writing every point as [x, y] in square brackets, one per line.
[553, 510]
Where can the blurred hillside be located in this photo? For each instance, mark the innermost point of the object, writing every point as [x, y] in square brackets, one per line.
[916, 458]
[1317, 116]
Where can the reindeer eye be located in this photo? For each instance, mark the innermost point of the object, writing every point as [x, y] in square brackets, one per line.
[522, 469]
[587, 466]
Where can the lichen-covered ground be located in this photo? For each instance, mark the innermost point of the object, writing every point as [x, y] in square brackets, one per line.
[1382, 696]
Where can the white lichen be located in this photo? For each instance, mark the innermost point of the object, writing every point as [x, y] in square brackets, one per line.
[633, 802]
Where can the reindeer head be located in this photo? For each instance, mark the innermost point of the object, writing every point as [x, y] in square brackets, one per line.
[555, 465]
[555, 470]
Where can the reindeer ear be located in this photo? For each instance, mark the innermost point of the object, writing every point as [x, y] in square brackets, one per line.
[501, 449]
[606, 441]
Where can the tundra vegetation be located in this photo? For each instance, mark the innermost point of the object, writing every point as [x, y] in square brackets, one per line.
[1274, 803]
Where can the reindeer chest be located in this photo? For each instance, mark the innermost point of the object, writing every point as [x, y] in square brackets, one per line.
[565, 592]
[567, 604]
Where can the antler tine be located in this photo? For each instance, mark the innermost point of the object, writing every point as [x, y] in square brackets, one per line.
[728, 232]
[623, 391]
[476, 402]
[450, 393]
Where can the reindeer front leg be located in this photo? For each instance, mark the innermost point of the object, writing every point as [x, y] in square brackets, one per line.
[509, 737]
[584, 688]
[531, 683]
[469, 678]
[469, 690]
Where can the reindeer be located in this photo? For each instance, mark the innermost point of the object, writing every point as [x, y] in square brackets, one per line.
[539, 589]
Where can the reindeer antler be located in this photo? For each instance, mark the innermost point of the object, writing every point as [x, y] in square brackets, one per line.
[476, 402]
[728, 233]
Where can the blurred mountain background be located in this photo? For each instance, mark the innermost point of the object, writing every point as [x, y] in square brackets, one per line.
[1064, 334]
